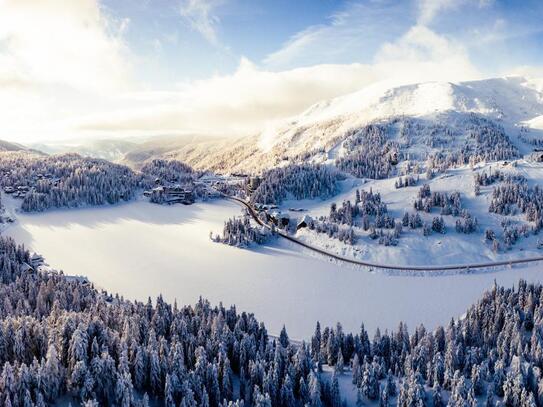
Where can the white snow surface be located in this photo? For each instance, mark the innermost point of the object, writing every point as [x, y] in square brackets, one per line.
[140, 249]
[451, 248]
[512, 99]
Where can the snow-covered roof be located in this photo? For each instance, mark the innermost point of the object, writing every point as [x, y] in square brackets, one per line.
[306, 219]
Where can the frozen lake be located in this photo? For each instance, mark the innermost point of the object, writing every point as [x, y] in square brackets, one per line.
[140, 250]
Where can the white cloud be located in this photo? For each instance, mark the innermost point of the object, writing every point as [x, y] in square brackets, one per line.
[65, 72]
[201, 17]
[357, 29]
[252, 98]
[61, 42]
[430, 9]
[56, 58]
[423, 55]
[236, 104]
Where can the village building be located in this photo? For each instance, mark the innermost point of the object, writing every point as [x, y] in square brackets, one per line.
[279, 219]
[36, 260]
[253, 183]
[305, 222]
[26, 268]
[171, 195]
[537, 156]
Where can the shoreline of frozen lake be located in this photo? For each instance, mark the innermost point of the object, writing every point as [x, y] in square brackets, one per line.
[139, 249]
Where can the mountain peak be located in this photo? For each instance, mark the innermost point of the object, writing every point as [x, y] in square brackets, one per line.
[513, 97]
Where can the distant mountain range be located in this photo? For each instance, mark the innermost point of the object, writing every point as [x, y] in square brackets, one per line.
[441, 110]
[433, 109]
[8, 146]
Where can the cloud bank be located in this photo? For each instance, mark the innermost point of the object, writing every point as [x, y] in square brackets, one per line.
[66, 70]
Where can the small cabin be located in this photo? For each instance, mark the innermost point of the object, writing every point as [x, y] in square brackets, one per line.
[305, 222]
[279, 219]
[26, 268]
[36, 260]
[537, 156]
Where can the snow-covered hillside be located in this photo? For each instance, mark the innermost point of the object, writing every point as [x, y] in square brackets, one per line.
[511, 99]
[413, 247]
[317, 134]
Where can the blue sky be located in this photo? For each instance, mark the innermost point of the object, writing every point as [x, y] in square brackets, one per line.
[124, 68]
[174, 45]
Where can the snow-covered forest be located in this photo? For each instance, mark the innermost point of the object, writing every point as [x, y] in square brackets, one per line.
[298, 181]
[61, 337]
[374, 150]
[168, 171]
[240, 233]
[67, 180]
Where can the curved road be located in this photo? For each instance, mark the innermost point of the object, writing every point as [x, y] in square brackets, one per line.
[451, 267]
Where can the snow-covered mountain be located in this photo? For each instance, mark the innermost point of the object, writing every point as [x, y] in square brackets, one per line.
[440, 110]
[112, 150]
[9, 146]
[512, 99]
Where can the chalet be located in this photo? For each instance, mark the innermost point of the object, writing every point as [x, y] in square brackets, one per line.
[305, 222]
[26, 268]
[177, 194]
[171, 195]
[36, 260]
[279, 219]
[537, 156]
[78, 279]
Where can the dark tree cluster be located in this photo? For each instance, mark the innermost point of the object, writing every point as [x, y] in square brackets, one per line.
[408, 181]
[335, 231]
[67, 180]
[370, 153]
[509, 197]
[449, 204]
[523, 136]
[466, 223]
[296, 181]
[240, 233]
[390, 238]
[413, 220]
[490, 178]
[484, 179]
[367, 204]
[368, 212]
[513, 232]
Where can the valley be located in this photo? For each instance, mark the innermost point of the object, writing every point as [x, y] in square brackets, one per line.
[280, 283]
[224, 203]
